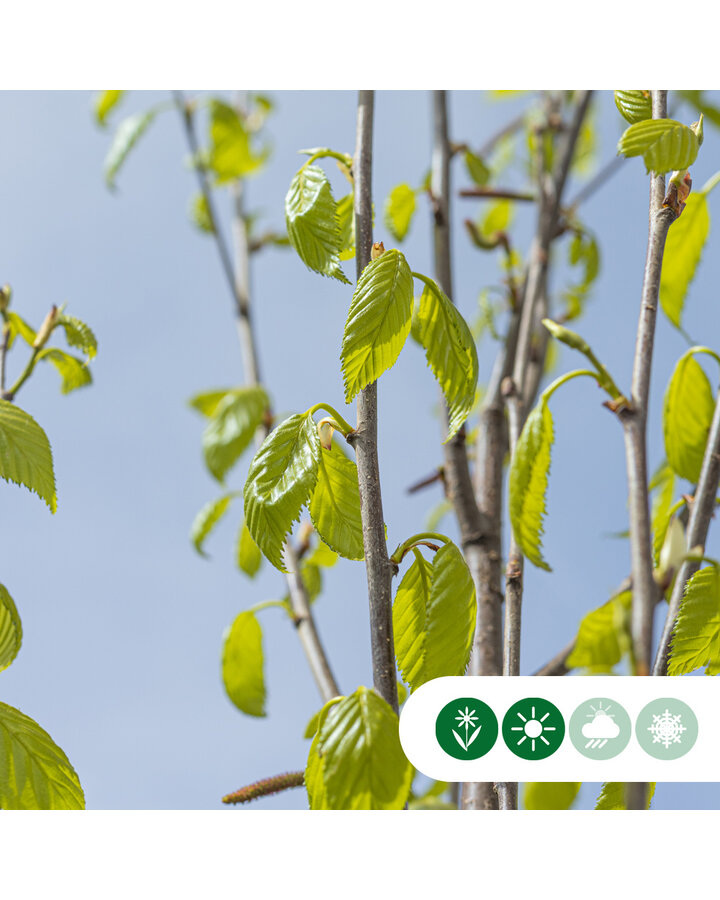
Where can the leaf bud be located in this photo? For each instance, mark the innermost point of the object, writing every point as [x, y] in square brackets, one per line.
[46, 329]
[5, 297]
[326, 428]
[377, 250]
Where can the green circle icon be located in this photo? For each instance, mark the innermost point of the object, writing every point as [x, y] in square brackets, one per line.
[466, 728]
[600, 728]
[666, 728]
[533, 728]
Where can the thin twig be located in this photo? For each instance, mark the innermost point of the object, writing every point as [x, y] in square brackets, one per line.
[364, 440]
[3, 354]
[510, 128]
[497, 194]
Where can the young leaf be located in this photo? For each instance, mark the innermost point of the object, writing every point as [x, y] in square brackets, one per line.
[450, 352]
[280, 481]
[242, 665]
[696, 638]
[105, 103]
[18, 325]
[683, 249]
[10, 629]
[128, 133]
[207, 519]
[550, 794]
[200, 214]
[34, 771]
[79, 335]
[476, 168]
[73, 371]
[399, 210]
[687, 415]
[25, 455]
[614, 795]
[314, 783]
[249, 557]
[603, 636]
[434, 617]
[335, 504]
[208, 402]
[663, 481]
[322, 555]
[528, 481]
[231, 155]
[319, 717]
[312, 222]
[634, 106]
[232, 427]
[664, 144]
[362, 763]
[497, 218]
[346, 223]
[378, 321]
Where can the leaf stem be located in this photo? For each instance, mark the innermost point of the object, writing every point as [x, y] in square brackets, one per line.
[422, 538]
[344, 427]
[24, 375]
[711, 183]
[333, 154]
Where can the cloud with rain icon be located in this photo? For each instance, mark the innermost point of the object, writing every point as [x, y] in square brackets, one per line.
[600, 730]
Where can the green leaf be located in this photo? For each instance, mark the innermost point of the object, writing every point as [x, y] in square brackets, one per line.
[664, 144]
[312, 222]
[603, 635]
[683, 249]
[25, 455]
[663, 481]
[231, 154]
[232, 427]
[319, 717]
[10, 629]
[634, 106]
[79, 335]
[280, 481]
[242, 665]
[697, 99]
[200, 214]
[105, 103]
[322, 555]
[528, 481]
[361, 763]
[378, 321]
[128, 133]
[208, 402]
[73, 371]
[687, 415]
[550, 794]
[583, 254]
[497, 218]
[346, 223]
[312, 577]
[249, 557]
[34, 771]
[434, 617]
[476, 168]
[207, 519]
[613, 795]
[399, 210]
[18, 325]
[335, 504]
[696, 637]
[450, 352]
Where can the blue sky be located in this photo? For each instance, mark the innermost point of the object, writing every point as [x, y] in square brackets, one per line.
[122, 620]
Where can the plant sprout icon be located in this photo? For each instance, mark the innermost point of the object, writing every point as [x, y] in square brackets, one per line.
[601, 729]
[468, 719]
[533, 729]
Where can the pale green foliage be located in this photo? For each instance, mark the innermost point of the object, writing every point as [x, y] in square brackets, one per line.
[697, 100]
[663, 482]
[73, 371]
[683, 249]
[550, 794]
[280, 481]
[476, 168]
[105, 102]
[10, 629]
[356, 761]
[34, 771]
[399, 211]
[584, 255]
[319, 717]
[687, 414]
[664, 144]
[231, 154]
[528, 481]
[378, 321]
[434, 617]
[346, 224]
[18, 325]
[603, 636]
[335, 504]
[322, 555]
[634, 106]
[242, 665]
[431, 797]
[207, 518]
[232, 427]
[696, 638]
[78, 335]
[128, 133]
[25, 455]
[614, 795]
[312, 222]
[208, 401]
[200, 214]
[450, 351]
[248, 555]
[497, 218]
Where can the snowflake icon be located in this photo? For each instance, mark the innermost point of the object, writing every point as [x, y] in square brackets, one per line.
[667, 729]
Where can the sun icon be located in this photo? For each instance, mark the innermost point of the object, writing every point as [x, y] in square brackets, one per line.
[533, 728]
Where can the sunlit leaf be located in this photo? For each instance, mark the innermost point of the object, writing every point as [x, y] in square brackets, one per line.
[25, 455]
[663, 483]
[696, 638]
[73, 371]
[550, 794]
[232, 427]
[476, 168]
[207, 518]
[231, 154]
[634, 106]
[242, 665]
[105, 102]
[603, 635]
[79, 335]
[346, 223]
[200, 214]
[248, 555]
[10, 629]
[399, 210]
[498, 217]
[128, 133]
[683, 249]
[614, 795]
[335, 504]
[18, 325]
[664, 144]
[687, 415]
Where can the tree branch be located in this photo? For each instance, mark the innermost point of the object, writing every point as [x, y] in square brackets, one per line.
[491, 193]
[364, 441]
